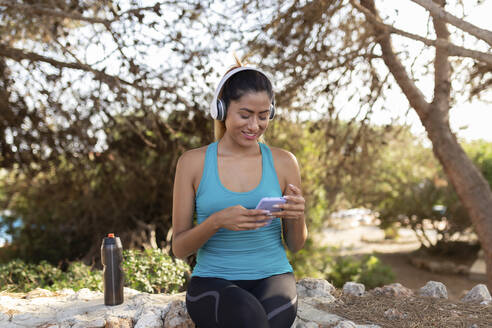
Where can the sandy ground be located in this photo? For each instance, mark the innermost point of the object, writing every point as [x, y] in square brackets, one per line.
[396, 254]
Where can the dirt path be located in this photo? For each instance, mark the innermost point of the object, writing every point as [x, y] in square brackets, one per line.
[414, 278]
[370, 239]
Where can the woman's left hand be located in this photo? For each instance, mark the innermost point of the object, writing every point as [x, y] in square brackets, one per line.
[294, 208]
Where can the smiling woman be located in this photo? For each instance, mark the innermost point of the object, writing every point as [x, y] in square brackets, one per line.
[242, 277]
[248, 117]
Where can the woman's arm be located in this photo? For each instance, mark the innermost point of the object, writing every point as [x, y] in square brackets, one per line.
[294, 225]
[293, 218]
[186, 238]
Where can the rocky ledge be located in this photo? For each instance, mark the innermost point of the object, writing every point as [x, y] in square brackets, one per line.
[320, 306]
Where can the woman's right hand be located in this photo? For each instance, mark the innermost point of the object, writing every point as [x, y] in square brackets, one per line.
[239, 218]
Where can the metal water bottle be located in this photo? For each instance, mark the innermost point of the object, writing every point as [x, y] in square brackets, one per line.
[113, 276]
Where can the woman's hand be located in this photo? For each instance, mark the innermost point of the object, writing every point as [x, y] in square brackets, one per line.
[238, 218]
[293, 209]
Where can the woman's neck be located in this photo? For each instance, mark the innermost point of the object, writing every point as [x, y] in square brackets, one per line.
[230, 148]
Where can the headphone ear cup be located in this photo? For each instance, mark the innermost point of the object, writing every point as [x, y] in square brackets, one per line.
[221, 110]
[272, 109]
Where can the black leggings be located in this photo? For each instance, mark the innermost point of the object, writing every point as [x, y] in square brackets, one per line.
[265, 303]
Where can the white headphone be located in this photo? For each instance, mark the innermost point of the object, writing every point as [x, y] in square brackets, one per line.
[218, 109]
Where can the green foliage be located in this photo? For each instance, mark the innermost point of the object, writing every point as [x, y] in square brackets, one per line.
[18, 276]
[297, 138]
[410, 183]
[153, 271]
[322, 262]
[78, 276]
[150, 271]
[63, 210]
[336, 161]
[405, 184]
[391, 231]
[480, 152]
[368, 271]
[87, 151]
[311, 261]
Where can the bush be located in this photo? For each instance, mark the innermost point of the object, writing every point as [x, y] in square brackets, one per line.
[368, 271]
[321, 262]
[150, 271]
[79, 276]
[154, 271]
[18, 276]
[311, 261]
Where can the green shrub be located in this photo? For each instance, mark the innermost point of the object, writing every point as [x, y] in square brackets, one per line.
[153, 271]
[391, 231]
[311, 261]
[79, 276]
[150, 271]
[368, 271]
[18, 276]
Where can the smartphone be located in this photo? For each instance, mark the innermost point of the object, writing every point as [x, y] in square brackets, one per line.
[266, 203]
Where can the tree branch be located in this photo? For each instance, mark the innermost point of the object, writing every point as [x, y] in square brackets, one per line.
[440, 13]
[18, 55]
[413, 94]
[442, 70]
[453, 50]
[41, 10]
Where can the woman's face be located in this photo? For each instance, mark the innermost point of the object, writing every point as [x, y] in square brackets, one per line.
[247, 118]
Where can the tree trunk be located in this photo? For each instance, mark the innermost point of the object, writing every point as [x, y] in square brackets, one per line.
[470, 185]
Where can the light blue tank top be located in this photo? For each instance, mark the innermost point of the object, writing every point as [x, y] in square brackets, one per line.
[239, 255]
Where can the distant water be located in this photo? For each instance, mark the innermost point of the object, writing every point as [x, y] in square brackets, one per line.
[3, 236]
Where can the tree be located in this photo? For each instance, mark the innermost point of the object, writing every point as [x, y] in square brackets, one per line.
[408, 187]
[68, 70]
[470, 185]
[325, 50]
[84, 86]
[93, 122]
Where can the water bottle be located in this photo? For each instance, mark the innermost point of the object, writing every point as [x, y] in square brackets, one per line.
[113, 276]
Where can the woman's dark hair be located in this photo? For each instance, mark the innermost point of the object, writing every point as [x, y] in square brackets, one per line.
[244, 82]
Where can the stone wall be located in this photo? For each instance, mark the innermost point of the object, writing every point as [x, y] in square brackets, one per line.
[83, 309]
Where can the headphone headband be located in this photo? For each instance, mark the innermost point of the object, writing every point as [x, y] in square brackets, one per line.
[217, 106]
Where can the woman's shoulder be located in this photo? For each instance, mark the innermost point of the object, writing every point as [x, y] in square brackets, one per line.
[191, 156]
[192, 160]
[283, 156]
[190, 165]
[193, 153]
[285, 165]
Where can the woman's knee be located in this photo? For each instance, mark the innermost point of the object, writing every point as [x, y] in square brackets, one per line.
[284, 314]
[239, 308]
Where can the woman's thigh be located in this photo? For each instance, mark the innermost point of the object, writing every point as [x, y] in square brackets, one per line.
[214, 302]
[278, 296]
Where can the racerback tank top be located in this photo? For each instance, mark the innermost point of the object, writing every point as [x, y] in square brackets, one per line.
[239, 255]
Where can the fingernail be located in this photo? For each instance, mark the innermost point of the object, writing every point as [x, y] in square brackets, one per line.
[276, 206]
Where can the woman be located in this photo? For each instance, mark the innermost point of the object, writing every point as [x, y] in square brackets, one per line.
[242, 277]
